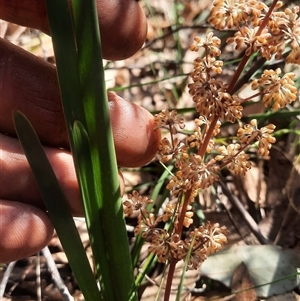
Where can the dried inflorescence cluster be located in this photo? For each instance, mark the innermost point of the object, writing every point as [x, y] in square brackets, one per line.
[200, 242]
[281, 28]
[197, 158]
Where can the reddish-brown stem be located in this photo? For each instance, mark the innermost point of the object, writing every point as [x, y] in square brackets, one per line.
[169, 279]
[172, 139]
[177, 231]
[250, 97]
[183, 212]
[246, 57]
[266, 18]
[208, 135]
[202, 151]
[186, 202]
[237, 73]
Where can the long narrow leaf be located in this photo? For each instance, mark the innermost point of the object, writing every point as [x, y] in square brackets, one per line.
[57, 207]
[90, 133]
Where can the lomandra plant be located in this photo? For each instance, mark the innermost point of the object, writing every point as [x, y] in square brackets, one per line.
[259, 30]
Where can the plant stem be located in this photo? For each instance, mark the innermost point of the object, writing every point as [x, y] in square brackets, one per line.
[238, 73]
[251, 97]
[208, 136]
[246, 57]
[178, 231]
[186, 202]
[236, 76]
[267, 17]
[203, 148]
[169, 279]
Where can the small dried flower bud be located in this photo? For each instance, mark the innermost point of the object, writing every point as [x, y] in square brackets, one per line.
[171, 211]
[174, 149]
[265, 140]
[188, 219]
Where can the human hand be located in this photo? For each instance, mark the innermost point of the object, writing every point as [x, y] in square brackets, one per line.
[30, 85]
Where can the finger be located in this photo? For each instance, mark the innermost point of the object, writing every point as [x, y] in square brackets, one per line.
[15, 169]
[30, 85]
[136, 139]
[122, 22]
[24, 230]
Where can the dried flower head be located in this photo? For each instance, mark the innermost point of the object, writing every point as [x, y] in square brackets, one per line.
[195, 244]
[247, 38]
[160, 244]
[212, 100]
[173, 149]
[203, 66]
[216, 235]
[193, 174]
[135, 202]
[235, 159]
[169, 119]
[277, 91]
[211, 45]
[250, 133]
[232, 14]
[285, 29]
[146, 224]
[198, 255]
[202, 241]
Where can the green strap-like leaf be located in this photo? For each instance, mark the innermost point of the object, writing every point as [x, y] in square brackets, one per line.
[57, 207]
[76, 41]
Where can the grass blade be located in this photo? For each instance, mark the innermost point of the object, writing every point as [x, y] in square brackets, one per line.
[91, 140]
[57, 207]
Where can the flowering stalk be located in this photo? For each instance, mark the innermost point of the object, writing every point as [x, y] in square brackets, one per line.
[259, 29]
[246, 57]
